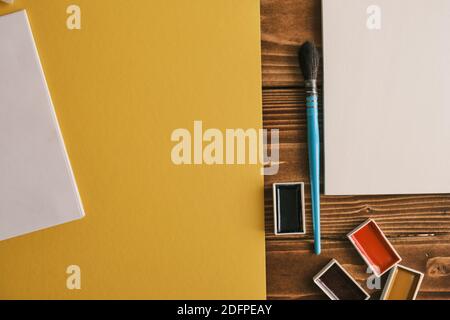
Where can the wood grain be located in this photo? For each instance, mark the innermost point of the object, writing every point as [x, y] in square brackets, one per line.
[285, 24]
[292, 269]
[417, 225]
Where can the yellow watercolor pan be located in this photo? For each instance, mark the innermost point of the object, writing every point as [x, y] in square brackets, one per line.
[403, 284]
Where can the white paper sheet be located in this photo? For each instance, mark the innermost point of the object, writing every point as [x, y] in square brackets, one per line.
[386, 96]
[37, 187]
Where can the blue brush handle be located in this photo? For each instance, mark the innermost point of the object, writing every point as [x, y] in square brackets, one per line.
[312, 114]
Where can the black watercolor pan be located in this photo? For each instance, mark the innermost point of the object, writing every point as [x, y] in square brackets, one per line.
[289, 208]
[338, 284]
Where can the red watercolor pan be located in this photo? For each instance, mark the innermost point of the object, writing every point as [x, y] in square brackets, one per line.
[374, 247]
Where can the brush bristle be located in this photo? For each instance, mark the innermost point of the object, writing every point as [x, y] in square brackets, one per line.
[309, 61]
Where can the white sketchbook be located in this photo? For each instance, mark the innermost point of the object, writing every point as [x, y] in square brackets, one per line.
[37, 186]
[386, 96]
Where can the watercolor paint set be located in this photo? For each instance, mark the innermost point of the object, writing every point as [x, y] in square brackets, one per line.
[372, 245]
[369, 241]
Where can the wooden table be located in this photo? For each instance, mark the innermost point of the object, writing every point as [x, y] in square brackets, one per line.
[418, 226]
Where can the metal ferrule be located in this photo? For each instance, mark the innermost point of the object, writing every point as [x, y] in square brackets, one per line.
[311, 84]
[311, 94]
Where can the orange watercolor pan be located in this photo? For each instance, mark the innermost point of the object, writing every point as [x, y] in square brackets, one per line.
[374, 247]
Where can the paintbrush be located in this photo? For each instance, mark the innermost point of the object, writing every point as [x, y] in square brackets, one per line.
[309, 64]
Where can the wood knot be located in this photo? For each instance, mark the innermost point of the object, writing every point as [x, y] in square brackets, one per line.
[438, 267]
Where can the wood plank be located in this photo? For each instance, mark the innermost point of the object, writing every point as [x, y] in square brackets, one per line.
[285, 24]
[290, 272]
[398, 216]
[285, 110]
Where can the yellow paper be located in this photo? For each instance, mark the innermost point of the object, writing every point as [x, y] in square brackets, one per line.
[134, 72]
